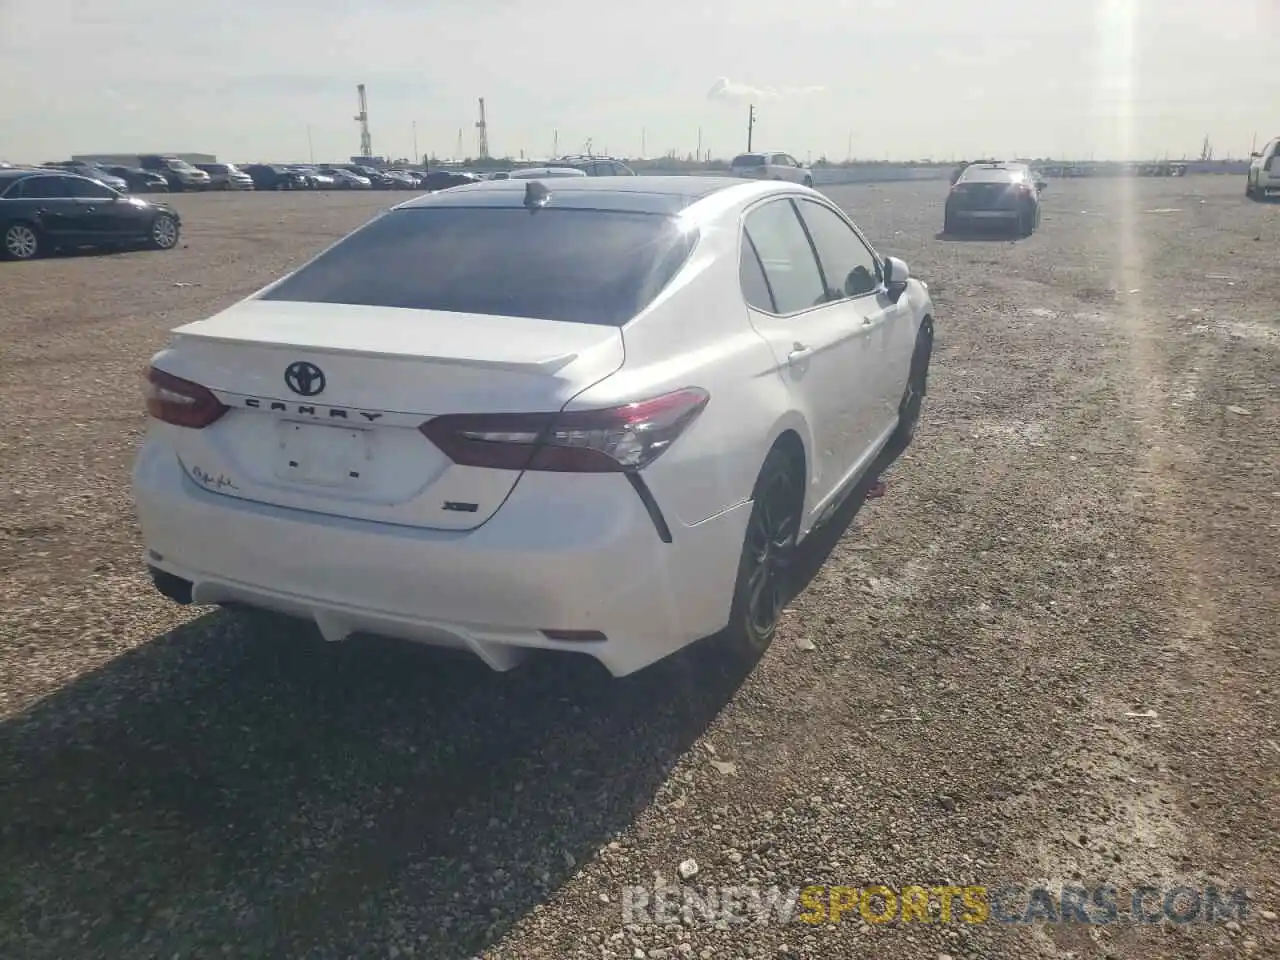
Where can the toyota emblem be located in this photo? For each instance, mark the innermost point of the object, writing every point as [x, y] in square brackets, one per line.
[304, 379]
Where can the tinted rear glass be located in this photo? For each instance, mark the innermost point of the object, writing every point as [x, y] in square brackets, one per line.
[978, 174]
[582, 266]
[748, 160]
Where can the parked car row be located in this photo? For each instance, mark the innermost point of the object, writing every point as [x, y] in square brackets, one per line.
[332, 176]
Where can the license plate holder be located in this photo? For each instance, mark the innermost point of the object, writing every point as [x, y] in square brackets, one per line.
[323, 455]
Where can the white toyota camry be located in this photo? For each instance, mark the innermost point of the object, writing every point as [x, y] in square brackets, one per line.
[590, 415]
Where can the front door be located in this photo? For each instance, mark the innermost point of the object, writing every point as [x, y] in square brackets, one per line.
[853, 271]
[820, 343]
[101, 213]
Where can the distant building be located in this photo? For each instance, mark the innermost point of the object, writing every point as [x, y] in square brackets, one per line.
[131, 159]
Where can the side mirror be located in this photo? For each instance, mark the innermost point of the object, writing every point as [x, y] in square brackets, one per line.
[1040, 185]
[896, 275]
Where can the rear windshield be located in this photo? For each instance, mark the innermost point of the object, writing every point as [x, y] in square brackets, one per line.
[581, 266]
[748, 160]
[977, 173]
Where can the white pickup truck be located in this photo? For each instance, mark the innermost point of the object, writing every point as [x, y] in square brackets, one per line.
[1264, 172]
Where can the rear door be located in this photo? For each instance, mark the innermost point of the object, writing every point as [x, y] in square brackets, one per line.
[55, 211]
[330, 374]
[818, 341]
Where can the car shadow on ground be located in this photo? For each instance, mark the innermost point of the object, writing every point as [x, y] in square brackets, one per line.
[978, 235]
[249, 785]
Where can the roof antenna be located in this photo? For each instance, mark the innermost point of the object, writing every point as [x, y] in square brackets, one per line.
[536, 196]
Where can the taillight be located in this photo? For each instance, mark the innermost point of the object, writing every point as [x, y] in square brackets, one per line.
[582, 441]
[960, 188]
[181, 402]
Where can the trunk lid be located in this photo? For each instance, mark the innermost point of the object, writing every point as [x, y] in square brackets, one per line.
[985, 195]
[326, 400]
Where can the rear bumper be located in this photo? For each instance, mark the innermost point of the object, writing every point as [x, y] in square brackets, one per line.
[566, 552]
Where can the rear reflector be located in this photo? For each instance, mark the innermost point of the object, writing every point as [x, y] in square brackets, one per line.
[582, 441]
[181, 402]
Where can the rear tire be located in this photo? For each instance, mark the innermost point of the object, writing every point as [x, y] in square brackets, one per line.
[808, 181]
[1027, 222]
[763, 584]
[22, 241]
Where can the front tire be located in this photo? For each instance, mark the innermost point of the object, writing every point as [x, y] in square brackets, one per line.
[22, 241]
[763, 584]
[912, 403]
[164, 232]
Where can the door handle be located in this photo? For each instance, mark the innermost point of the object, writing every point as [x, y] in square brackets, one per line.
[867, 321]
[798, 352]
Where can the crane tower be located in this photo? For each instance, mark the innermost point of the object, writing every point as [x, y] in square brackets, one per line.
[482, 133]
[366, 141]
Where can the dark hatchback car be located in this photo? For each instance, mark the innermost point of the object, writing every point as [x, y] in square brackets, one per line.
[444, 179]
[994, 195]
[139, 180]
[269, 176]
[43, 210]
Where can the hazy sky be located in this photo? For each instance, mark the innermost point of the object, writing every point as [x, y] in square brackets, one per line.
[938, 78]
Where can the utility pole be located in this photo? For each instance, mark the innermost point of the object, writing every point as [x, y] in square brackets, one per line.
[555, 143]
[751, 124]
[415, 143]
[699, 153]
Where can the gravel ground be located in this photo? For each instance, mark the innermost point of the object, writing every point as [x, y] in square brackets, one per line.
[1084, 532]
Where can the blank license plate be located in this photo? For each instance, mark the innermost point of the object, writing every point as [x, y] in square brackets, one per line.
[323, 455]
[989, 214]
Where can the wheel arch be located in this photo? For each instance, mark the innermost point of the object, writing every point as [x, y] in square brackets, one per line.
[791, 433]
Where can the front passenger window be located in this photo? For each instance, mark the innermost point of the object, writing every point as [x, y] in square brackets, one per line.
[89, 190]
[786, 256]
[849, 268]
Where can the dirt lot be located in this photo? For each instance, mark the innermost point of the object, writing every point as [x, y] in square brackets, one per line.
[1084, 532]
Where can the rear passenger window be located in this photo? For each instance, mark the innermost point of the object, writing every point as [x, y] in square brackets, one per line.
[788, 261]
[755, 288]
[44, 188]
